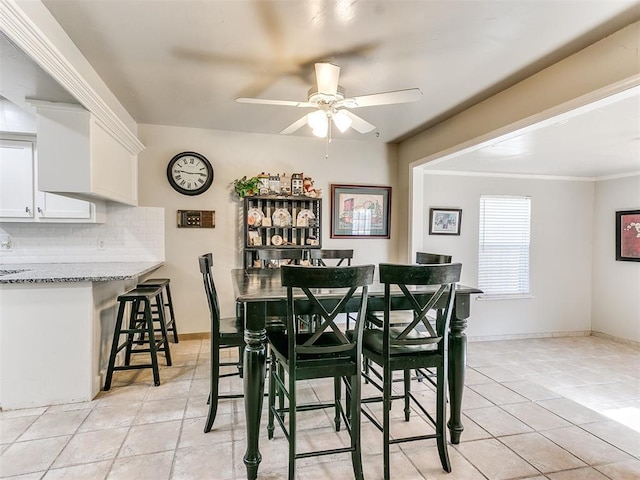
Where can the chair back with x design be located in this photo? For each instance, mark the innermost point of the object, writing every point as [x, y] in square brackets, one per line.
[325, 352]
[415, 344]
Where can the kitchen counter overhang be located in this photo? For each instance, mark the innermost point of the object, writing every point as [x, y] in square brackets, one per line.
[74, 272]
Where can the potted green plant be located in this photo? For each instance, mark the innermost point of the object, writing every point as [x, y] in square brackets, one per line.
[246, 186]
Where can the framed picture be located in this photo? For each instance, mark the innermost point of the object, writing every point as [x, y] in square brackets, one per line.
[628, 236]
[360, 211]
[445, 221]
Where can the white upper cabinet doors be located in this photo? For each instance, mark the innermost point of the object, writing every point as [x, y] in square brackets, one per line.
[20, 199]
[16, 179]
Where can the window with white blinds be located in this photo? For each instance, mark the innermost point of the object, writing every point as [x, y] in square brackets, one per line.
[503, 263]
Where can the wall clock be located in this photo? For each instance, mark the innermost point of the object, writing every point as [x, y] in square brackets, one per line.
[190, 173]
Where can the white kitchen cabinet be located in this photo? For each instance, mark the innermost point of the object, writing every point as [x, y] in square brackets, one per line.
[20, 199]
[79, 156]
[16, 179]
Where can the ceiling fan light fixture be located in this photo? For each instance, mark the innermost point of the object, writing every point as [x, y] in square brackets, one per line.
[322, 130]
[318, 122]
[342, 120]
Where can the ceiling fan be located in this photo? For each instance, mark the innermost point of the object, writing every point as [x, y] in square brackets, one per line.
[333, 106]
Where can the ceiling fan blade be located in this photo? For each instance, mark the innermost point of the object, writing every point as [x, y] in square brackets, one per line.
[327, 77]
[298, 124]
[359, 124]
[397, 96]
[282, 103]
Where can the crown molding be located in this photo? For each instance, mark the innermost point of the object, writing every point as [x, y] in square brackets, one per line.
[19, 27]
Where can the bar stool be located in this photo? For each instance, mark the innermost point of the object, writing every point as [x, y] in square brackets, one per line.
[141, 319]
[166, 302]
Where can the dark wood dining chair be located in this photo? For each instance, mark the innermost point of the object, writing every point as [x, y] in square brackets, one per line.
[324, 353]
[275, 257]
[225, 333]
[416, 345]
[337, 257]
[424, 258]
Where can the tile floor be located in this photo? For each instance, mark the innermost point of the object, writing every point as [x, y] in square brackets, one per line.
[554, 408]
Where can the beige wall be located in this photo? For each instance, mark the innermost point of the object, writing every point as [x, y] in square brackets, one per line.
[234, 155]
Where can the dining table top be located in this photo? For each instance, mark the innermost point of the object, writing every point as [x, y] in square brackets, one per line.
[255, 284]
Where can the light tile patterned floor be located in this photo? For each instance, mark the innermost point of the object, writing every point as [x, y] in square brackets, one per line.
[555, 408]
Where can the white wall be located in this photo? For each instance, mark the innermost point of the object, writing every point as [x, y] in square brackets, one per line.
[616, 285]
[561, 246]
[233, 155]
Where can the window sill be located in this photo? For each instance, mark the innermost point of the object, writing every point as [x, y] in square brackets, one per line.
[505, 297]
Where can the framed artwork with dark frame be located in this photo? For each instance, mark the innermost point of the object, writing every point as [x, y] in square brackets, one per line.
[628, 236]
[360, 211]
[445, 221]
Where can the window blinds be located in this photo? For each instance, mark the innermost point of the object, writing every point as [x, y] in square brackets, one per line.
[503, 260]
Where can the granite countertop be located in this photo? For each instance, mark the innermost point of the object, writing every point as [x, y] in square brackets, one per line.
[74, 272]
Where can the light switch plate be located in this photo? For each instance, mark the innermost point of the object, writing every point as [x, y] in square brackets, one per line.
[196, 218]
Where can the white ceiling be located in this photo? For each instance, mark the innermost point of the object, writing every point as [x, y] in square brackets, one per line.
[598, 140]
[183, 62]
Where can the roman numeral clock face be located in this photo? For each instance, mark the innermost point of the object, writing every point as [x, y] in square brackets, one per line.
[190, 173]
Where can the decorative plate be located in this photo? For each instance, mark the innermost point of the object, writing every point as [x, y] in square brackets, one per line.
[281, 218]
[276, 240]
[254, 217]
[305, 218]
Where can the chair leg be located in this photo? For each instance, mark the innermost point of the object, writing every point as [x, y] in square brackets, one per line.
[407, 389]
[133, 320]
[292, 424]
[386, 420]
[114, 347]
[240, 361]
[172, 315]
[348, 394]
[354, 409]
[215, 375]
[441, 418]
[163, 329]
[272, 396]
[337, 396]
[280, 392]
[365, 368]
[152, 343]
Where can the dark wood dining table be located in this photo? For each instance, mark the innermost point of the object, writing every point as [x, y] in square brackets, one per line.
[260, 294]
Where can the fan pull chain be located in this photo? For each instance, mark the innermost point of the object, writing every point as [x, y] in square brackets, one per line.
[327, 140]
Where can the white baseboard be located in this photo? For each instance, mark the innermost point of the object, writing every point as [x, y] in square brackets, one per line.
[525, 336]
[616, 339]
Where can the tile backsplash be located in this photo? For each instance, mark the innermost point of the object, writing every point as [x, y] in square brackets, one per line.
[130, 234]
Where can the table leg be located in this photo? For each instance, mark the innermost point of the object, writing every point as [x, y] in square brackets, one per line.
[457, 366]
[254, 373]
